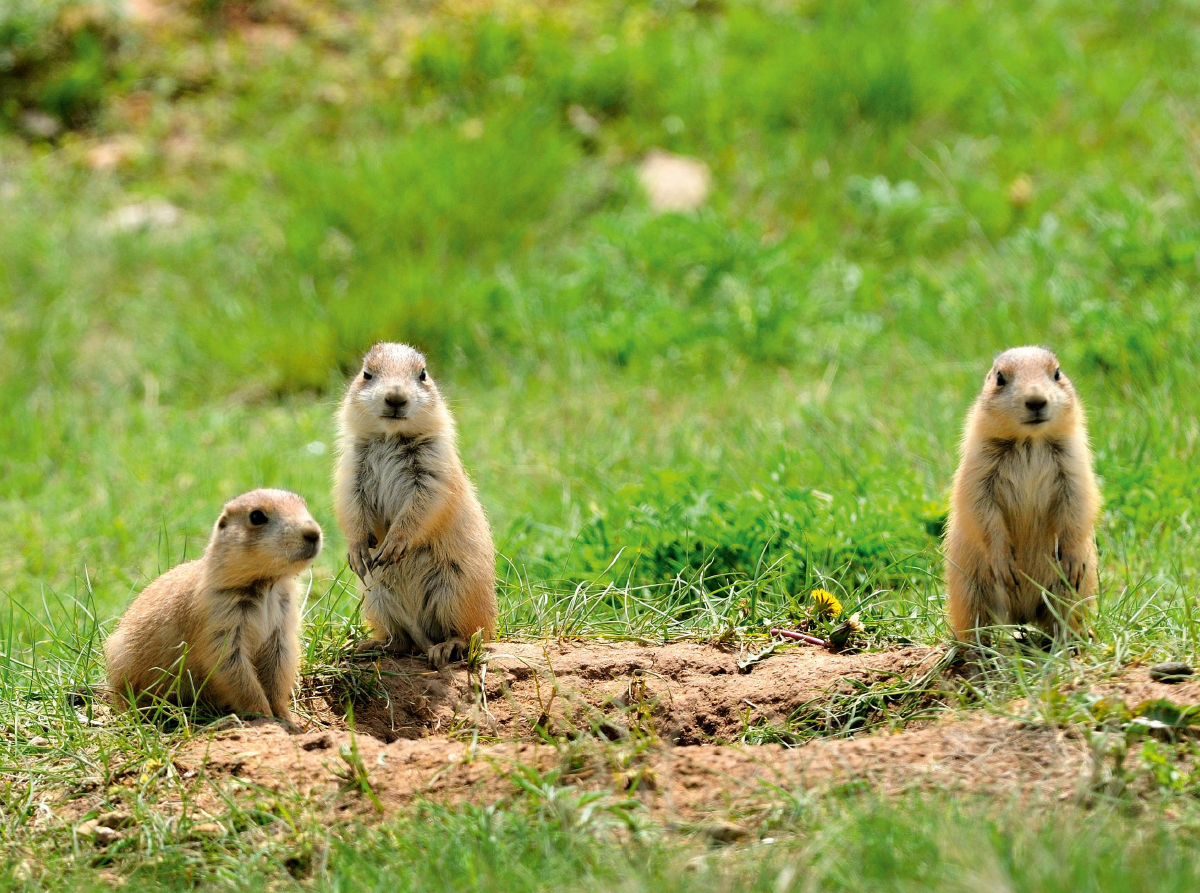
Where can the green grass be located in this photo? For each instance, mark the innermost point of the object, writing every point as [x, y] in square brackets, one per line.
[678, 423]
[567, 841]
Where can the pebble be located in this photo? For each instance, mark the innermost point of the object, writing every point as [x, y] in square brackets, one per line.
[103, 835]
[674, 182]
[1170, 672]
[724, 832]
[115, 820]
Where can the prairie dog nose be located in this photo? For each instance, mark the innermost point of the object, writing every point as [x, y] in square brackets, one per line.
[396, 400]
[312, 542]
[1035, 404]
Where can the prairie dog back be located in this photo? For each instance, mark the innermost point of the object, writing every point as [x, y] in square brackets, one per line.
[417, 535]
[223, 628]
[1020, 542]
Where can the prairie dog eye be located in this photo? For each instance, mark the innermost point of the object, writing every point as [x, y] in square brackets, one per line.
[423, 376]
[258, 517]
[367, 376]
[1001, 381]
[1058, 375]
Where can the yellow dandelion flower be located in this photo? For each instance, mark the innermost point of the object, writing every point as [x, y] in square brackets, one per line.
[826, 603]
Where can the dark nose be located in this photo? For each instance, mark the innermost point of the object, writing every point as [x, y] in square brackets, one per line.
[312, 536]
[1035, 404]
[396, 401]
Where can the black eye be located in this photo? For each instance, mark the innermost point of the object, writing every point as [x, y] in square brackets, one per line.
[1057, 374]
[258, 518]
[1001, 381]
[367, 375]
[423, 375]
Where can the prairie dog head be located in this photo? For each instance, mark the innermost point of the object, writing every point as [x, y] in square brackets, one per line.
[1026, 395]
[393, 394]
[261, 535]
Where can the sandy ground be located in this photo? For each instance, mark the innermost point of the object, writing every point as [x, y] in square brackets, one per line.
[659, 725]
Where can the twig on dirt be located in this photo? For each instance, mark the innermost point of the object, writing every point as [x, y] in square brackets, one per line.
[800, 637]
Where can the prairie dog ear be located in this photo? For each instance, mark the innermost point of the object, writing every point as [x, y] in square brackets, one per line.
[222, 521]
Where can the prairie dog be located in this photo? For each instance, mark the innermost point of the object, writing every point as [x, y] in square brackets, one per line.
[223, 629]
[400, 487]
[1025, 501]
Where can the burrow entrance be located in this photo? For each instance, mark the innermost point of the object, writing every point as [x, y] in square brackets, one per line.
[681, 693]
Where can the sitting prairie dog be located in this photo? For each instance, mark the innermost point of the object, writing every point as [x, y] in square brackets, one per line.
[1025, 501]
[400, 488]
[223, 629]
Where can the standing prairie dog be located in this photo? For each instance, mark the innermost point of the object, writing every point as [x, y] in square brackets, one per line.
[1020, 542]
[400, 486]
[223, 629]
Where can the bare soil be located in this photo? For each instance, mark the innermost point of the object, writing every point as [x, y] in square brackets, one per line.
[683, 693]
[986, 755]
[665, 726]
[662, 725]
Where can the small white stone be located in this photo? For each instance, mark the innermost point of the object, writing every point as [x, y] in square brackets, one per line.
[38, 123]
[154, 213]
[674, 182]
[583, 123]
[104, 835]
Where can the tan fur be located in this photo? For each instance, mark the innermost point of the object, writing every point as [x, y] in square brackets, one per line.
[1025, 501]
[400, 486]
[223, 629]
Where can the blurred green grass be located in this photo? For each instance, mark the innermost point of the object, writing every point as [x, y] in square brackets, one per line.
[900, 191]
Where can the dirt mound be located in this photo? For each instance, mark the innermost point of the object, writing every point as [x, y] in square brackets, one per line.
[986, 755]
[664, 727]
[683, 693]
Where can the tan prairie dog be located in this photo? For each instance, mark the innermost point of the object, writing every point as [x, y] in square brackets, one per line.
[1020, 542]
[223, 629]
[400, 489]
